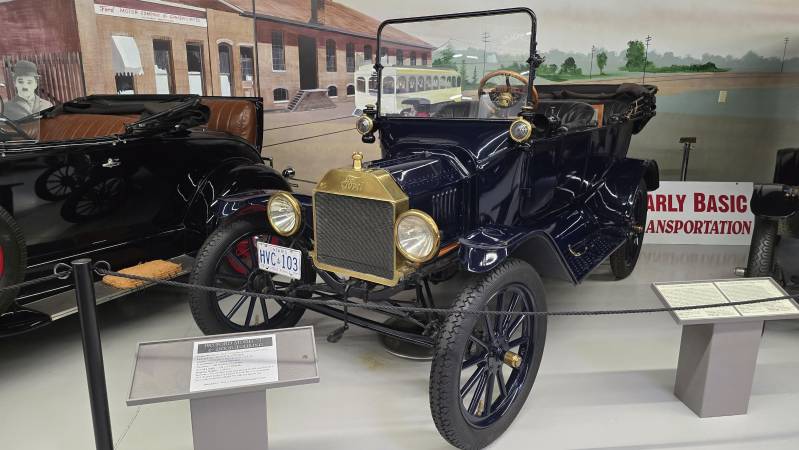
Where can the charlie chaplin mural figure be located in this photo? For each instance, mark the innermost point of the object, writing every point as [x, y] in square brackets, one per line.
[26, 101]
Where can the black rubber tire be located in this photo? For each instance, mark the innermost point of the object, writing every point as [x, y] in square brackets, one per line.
[204, 308]
[761, 251]
[445, 371]
[625, 258]
[14, 254]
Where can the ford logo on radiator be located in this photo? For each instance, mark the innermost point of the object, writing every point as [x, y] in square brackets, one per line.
[352, 183]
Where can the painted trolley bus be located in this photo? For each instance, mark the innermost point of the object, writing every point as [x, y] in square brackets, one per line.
[407, 91]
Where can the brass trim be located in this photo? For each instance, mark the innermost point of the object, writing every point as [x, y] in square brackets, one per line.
[370, 184]
[295, 205]
[357, 157]
[430, 222]
[371, 124]
[530, 128]
[445, 250]
[512, 359]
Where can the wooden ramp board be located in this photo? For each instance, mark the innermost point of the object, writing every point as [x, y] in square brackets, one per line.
[63, 304]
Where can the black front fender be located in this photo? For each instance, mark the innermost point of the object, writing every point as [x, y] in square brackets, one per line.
[775, 201]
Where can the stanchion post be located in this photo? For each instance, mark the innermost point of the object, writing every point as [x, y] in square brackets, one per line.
[686, 142]
[92, 353]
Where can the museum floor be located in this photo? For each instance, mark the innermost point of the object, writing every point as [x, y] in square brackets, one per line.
[605, 382]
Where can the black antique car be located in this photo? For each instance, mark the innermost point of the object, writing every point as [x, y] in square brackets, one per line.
[508, 183]
[125, 179]
[775, 239]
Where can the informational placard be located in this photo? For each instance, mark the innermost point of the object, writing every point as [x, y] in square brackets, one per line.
[233, 362]
[741, 290]
[704, 213]
[725, 291]
[690, 294]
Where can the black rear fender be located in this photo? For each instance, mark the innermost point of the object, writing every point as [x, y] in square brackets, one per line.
[775, 201]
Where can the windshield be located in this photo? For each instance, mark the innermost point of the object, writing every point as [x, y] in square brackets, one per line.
[464, 67]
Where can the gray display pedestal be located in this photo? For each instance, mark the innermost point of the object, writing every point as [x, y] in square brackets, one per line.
[226, 418]
[718, 350]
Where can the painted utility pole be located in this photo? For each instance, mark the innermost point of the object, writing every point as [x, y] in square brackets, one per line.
[646, 57]
[591, 67]
[486, 40]
[784, 51]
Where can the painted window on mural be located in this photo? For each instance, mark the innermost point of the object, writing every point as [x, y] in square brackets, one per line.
[402, 85]
[247, 64]
[194, 63]
[350, 90]
[350, 57]
[126, 64]
[367, 53]
[400, 57]
[384, 55]
[278, 51]
[388, 85]
[332, 91]
[361, 84]
[424, 59]
[162, 53]
[413, 58]
[226, 69]
[280, 95]
[330, 47]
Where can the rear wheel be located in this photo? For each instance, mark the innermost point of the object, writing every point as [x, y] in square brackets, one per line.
[484, 366]
[13, 256]
[228, 259]
[761, 250]
[624, 259]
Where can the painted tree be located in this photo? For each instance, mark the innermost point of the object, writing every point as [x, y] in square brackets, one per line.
[569, 66]
[474, 76]
[462, 71]
[444, 58]
[636, 56]
[601, 62]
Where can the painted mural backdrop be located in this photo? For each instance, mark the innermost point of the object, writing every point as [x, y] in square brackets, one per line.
[727, 70]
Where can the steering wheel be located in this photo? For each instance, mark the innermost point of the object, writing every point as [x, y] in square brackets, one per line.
[504, 97]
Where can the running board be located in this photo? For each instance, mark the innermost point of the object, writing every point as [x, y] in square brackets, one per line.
[64, 304]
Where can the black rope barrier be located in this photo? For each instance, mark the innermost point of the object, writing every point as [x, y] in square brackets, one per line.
[416, 309]
[60, 275]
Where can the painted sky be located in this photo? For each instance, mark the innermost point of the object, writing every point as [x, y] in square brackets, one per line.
[685, 27]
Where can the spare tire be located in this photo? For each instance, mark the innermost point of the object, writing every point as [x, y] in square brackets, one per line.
[13, 256]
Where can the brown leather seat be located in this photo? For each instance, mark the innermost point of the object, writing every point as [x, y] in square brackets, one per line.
[234, 116]
[66, 127]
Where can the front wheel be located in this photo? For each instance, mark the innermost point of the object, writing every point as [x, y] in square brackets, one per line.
[228, 259]
[484, 365]
[624, 259]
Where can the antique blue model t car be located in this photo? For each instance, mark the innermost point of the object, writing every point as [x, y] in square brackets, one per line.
[507, 183]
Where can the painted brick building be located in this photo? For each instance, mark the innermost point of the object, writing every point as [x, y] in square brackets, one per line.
[196, 46]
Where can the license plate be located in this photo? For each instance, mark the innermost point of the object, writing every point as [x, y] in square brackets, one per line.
[280, 260]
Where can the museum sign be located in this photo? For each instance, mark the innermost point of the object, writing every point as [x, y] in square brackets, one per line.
[700, 213]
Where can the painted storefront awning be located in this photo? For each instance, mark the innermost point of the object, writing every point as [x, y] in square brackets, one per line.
[127, 59]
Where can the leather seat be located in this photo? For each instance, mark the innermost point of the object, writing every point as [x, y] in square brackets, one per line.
[572, 114]
[233, 116]
[67, 127]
